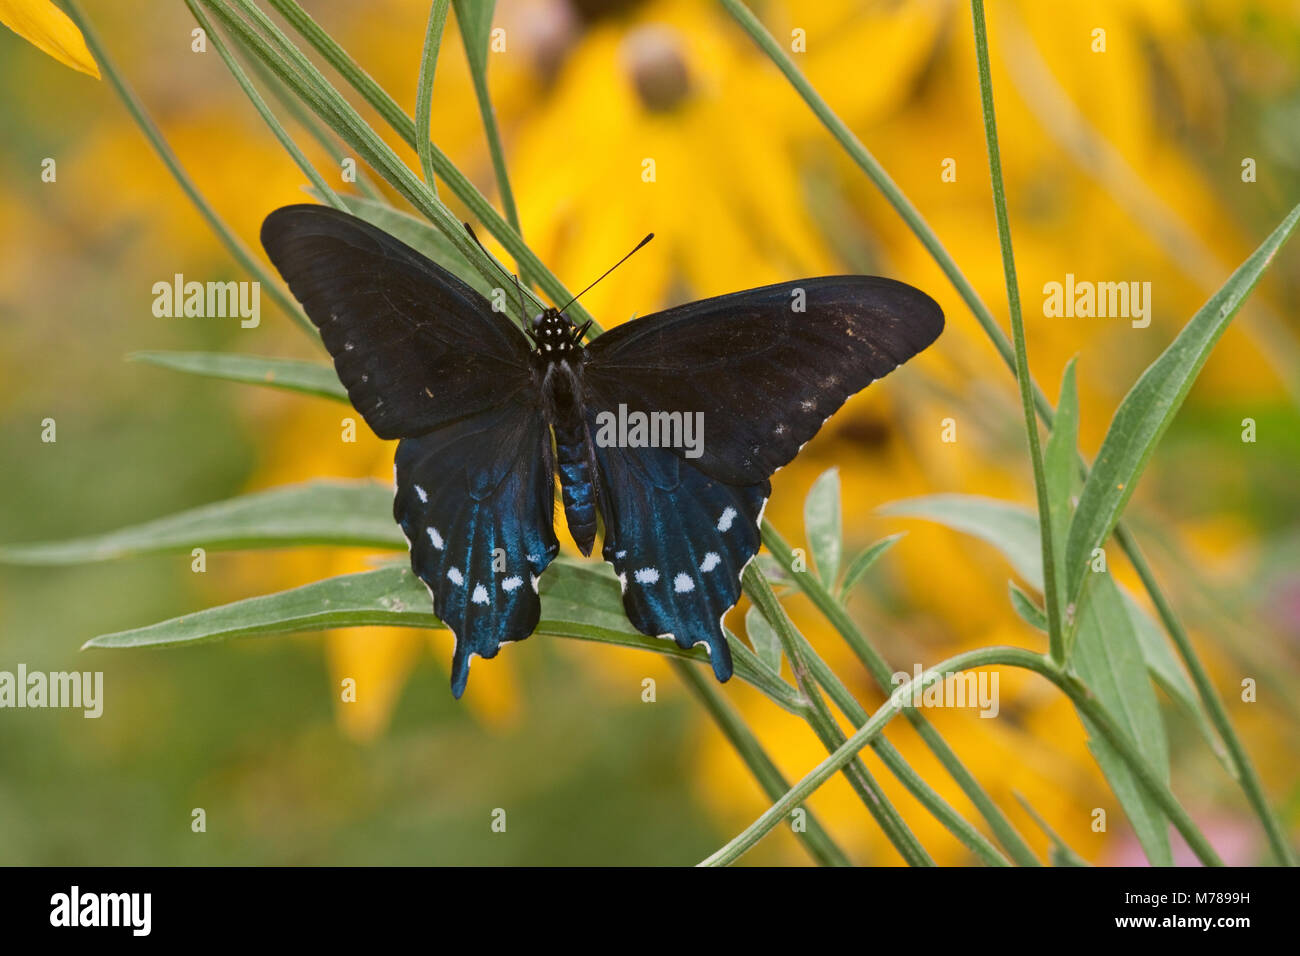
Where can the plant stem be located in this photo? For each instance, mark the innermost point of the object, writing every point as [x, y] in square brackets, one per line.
[424, 88]
[823, 724]
[881, 673]
[478, 73]
[233, 244]
[805, 661]
[819, 844]
[1050, 593]
[455, 180]
[982, 657]
[263, 110]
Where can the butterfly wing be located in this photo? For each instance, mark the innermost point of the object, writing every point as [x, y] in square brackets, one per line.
[766, 367]
[425, 359]
[678, 540]
[475, 500]
[414, 346]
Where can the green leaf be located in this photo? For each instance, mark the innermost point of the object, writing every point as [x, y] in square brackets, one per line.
[475, 20]
[822, 525]
[1026, 608]
[767, 645]
[1013, 530]
[1150, 406]
[309, 378]
[420, 236]
[579, 600]
[1010, 528]
[863, 562]
[319, 512]
[1108, 658]
[1061, 470]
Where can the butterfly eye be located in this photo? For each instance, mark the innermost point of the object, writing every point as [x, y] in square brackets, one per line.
[537, 320]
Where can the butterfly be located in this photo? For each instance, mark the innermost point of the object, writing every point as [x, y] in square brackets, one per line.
[486, 414]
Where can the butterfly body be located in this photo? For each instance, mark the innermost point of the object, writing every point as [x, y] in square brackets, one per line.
[559, 358]
[487, 415]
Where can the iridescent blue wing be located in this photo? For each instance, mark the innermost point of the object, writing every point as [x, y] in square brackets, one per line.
[414, 346]
[476, 500]
[766, 367]
[678, 540]
[763, 369]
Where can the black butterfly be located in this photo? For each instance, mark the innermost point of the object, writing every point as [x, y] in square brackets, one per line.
[474, 401]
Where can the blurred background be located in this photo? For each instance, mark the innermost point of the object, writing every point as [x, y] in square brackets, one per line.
[1122, 165]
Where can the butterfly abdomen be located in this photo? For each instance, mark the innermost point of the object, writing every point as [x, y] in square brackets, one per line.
[577, 482]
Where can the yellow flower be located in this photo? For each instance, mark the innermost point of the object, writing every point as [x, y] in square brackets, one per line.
[48, 28]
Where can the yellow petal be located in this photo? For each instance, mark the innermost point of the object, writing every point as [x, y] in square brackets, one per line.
[48, 28]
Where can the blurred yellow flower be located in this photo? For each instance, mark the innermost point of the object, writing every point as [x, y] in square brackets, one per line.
[48, 28]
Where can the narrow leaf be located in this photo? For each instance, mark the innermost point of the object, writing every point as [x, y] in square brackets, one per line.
[1151, 405]
[767, 645]
[319, 512]
[295, 375]
[1108, 657]
[864, 561]
[475, 20]
[579, 600]
[822, 525]
[1061, 469]
[1026, 608]
[1011, 529]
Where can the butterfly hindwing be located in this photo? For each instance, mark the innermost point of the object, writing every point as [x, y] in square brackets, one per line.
[414, 346]
[475, 500]
[766, 367]
[678, 540]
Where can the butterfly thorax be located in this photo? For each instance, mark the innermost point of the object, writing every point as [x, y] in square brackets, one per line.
[558, 359]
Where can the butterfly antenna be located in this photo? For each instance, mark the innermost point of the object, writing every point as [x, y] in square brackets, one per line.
[523, 309]
[607, 272]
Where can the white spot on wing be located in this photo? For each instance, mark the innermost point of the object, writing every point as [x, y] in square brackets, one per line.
[647, 575]
[510, 583]
[434, 537]
[724, 521]
[683, 584]
[454, 576]
[480, 595]
[424, 495]
[711, 561]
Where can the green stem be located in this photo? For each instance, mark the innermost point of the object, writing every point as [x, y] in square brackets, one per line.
[815, 839]
[982, 657]
[804, 659]
[930, 240]
[233, 244]
[424, 88]
[1050, 594]
[263, 110]
[823, 724]
[310, 123]
[882, 673]
[455, 180]
[495, 147]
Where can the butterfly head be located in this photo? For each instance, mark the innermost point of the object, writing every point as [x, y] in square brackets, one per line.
[555, 336]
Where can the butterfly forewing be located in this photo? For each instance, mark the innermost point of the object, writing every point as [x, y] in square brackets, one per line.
[766, 367]
[414, 346]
